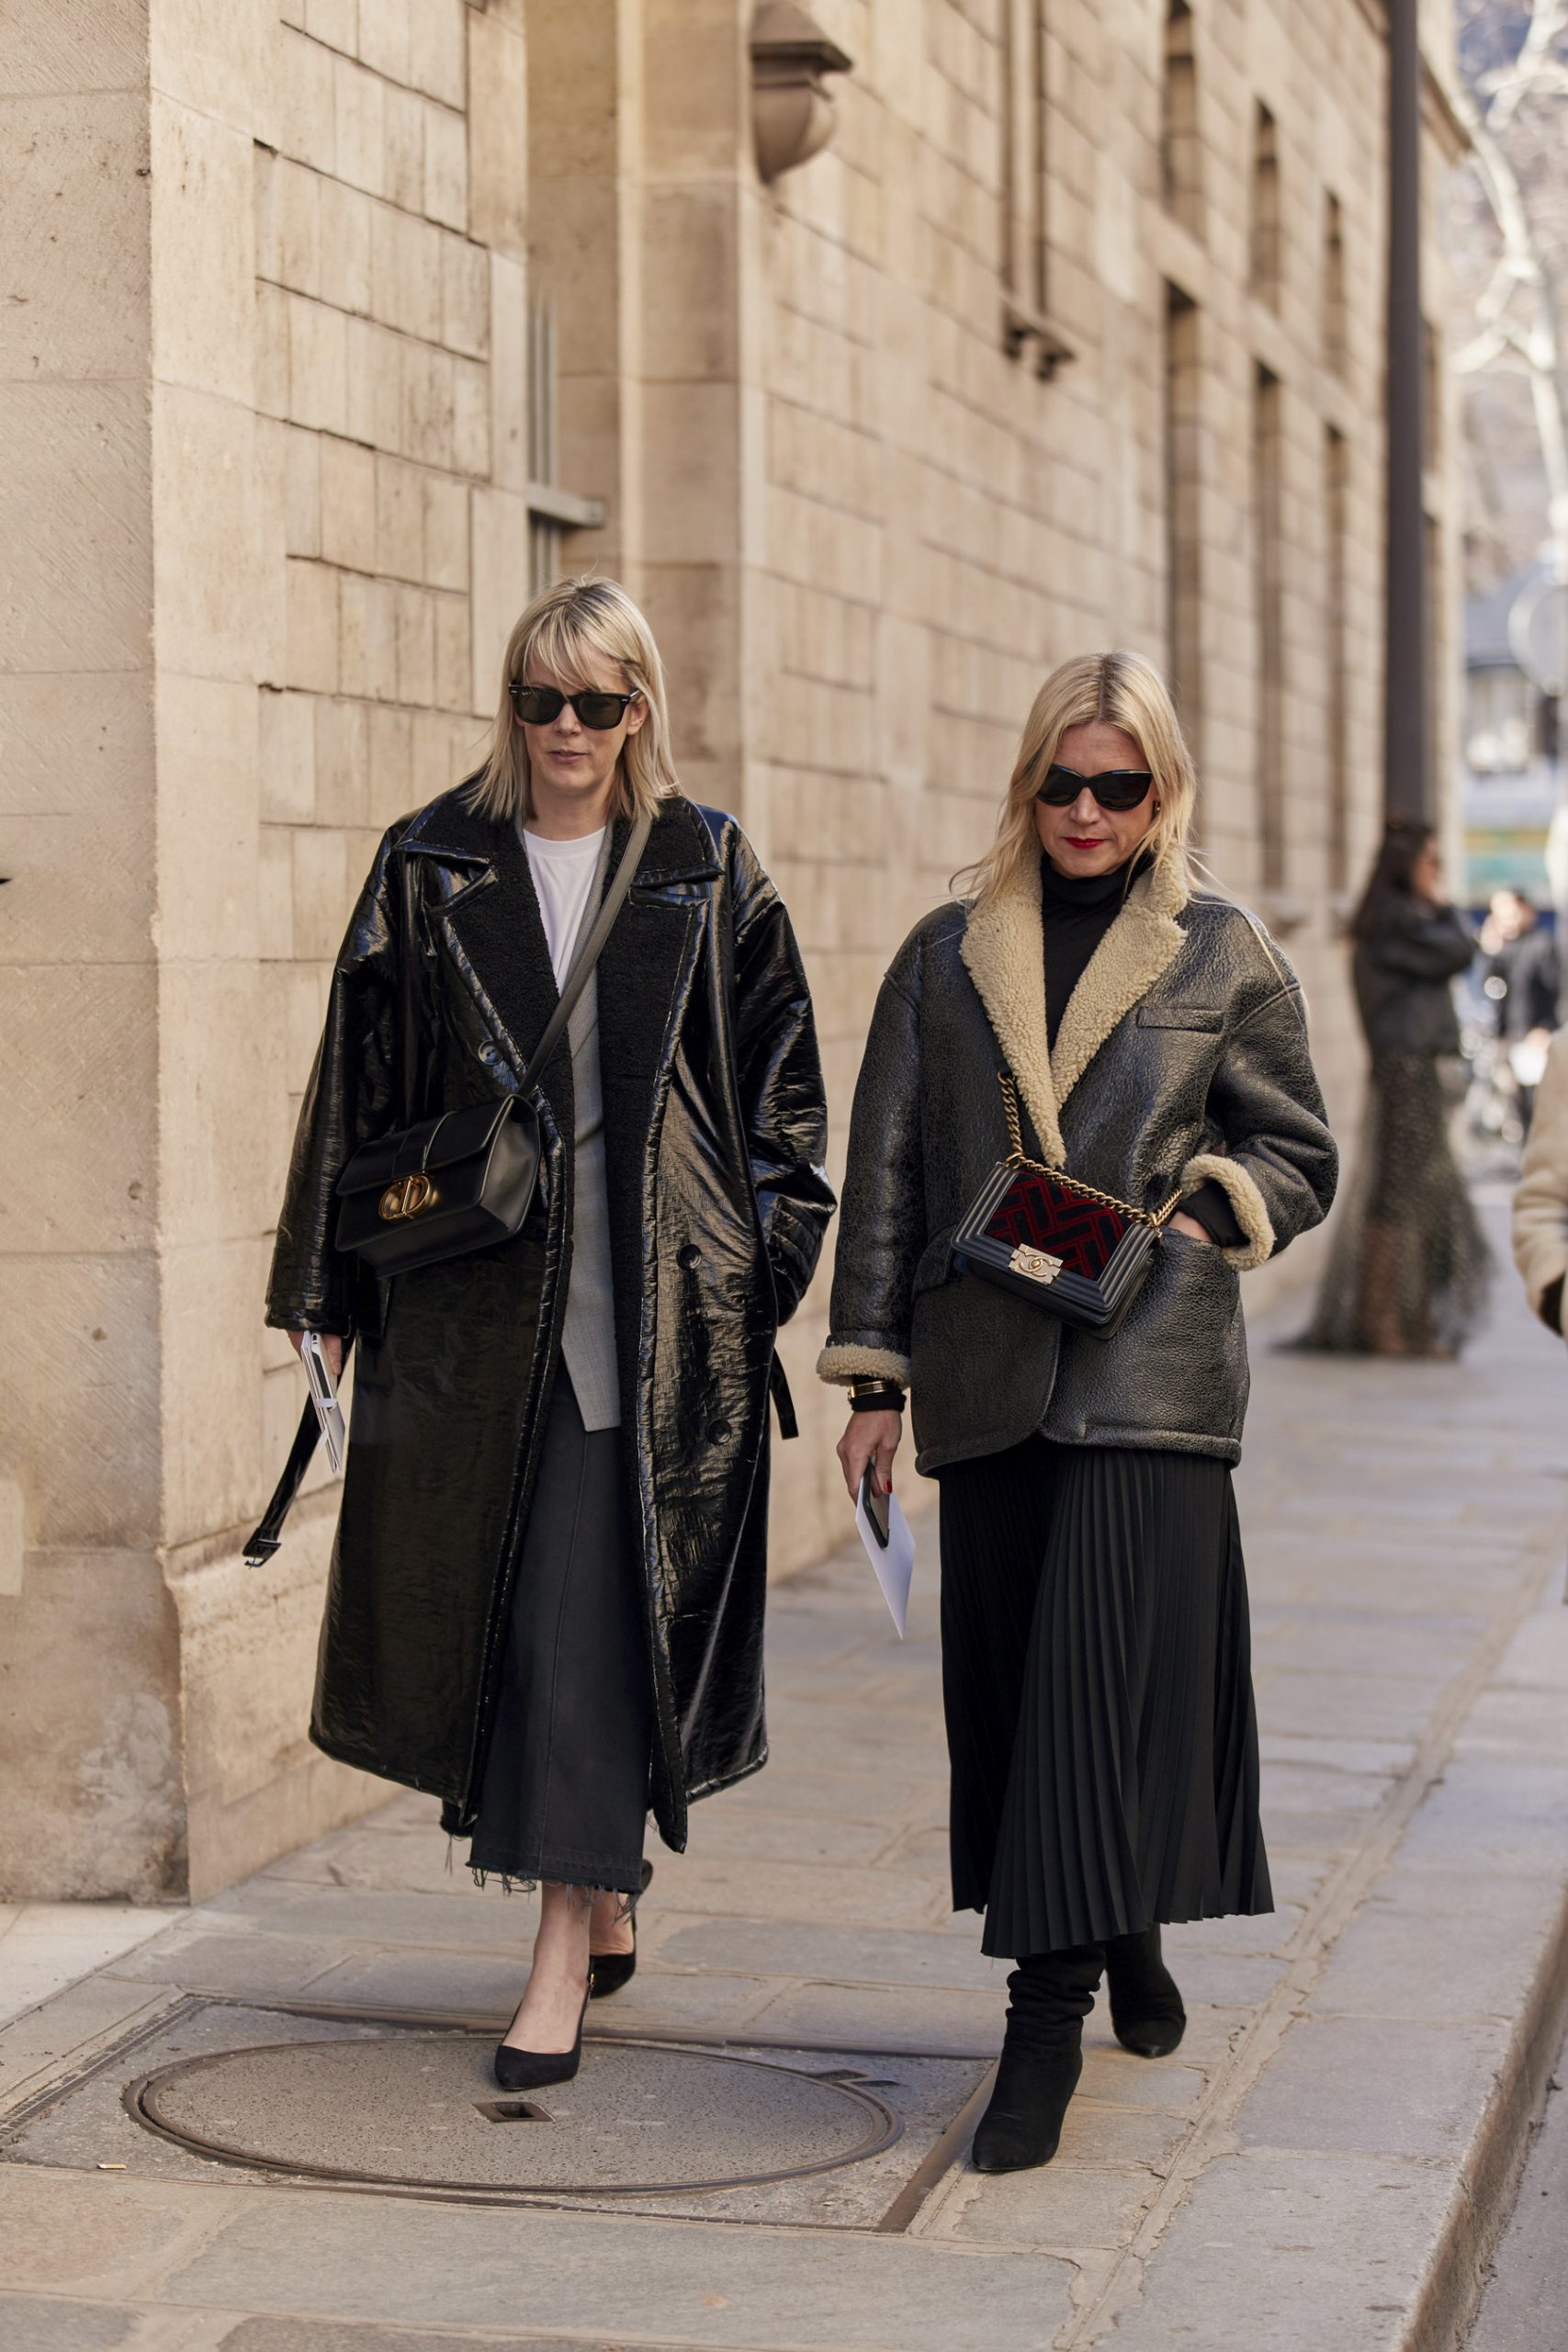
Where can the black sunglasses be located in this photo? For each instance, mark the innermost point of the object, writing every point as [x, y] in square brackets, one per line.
[1116, 789]
[538, 705]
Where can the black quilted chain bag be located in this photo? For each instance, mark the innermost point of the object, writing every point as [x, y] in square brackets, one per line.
[1080, 1253]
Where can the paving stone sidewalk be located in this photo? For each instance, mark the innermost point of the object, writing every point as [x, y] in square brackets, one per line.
[1323, 2164]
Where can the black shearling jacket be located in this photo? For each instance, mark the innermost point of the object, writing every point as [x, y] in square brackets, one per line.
[715, 1127]
[1181, 1059]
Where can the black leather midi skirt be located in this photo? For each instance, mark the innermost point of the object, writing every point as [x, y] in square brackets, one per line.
[1098, 1687]
[564, 1789]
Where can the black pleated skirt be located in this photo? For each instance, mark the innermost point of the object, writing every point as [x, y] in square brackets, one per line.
[565, 1791]
[1098, 1687]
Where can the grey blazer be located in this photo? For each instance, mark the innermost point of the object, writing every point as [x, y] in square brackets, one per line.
[588, 1333]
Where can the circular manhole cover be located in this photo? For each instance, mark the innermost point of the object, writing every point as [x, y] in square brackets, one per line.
[415, 2110]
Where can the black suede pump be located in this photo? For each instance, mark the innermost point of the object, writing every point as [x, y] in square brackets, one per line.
[1051, 1994]
[614, 1969]
[530, 2070]
[1147, 2012]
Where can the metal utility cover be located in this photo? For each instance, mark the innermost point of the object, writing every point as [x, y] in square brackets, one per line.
[415, 2110]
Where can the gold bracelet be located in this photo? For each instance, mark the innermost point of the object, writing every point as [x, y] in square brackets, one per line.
[873, 1395]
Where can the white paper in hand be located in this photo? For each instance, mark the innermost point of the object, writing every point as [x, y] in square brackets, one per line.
[894, 1561]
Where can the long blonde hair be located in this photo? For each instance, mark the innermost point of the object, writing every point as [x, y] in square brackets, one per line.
[560, 630]
[1130, 693]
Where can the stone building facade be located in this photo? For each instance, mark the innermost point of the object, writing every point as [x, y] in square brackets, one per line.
[330, 326]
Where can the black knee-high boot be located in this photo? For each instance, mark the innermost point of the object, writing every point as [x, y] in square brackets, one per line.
[1146, 2007]
[1051, 1993]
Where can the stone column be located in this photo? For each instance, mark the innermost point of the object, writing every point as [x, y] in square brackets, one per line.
[639, 174]
[88, 1635]
[584, 187]
[699, 407]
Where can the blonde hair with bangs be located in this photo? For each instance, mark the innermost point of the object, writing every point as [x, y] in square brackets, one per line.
[1130, 693]
[560, 630]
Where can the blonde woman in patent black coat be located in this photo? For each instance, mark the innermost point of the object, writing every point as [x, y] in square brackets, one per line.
[547, 1590]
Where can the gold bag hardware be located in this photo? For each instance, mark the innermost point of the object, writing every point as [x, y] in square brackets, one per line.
[408, 1198]
[1038, 1264]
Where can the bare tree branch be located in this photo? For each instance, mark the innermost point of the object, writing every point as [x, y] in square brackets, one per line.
[1491, 108]
[1548, 19]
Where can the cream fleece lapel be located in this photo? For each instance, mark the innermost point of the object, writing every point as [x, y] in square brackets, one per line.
[1004, 953]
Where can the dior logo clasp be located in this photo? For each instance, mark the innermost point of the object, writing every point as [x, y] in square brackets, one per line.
[1038, 1264]
[411, 1196]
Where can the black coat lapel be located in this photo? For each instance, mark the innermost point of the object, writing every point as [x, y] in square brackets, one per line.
[644, 985]
[499, 928]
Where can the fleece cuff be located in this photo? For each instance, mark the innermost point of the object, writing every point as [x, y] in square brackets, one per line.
[1251, 1211]
[840, 1362]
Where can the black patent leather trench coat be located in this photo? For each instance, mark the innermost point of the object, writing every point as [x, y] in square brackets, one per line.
[715, 1127]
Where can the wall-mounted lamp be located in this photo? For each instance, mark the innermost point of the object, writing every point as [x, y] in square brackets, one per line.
[792, 113]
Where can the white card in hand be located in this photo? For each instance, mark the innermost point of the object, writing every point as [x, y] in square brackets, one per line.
[894, 1561]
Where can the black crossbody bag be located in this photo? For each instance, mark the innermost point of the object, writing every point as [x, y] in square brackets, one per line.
[437, 1188]
[1076, 1253]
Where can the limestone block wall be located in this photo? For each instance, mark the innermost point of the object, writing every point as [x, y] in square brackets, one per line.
[389, 303]
[263, 497]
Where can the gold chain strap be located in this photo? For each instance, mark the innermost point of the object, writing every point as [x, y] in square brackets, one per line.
[1019, 1158]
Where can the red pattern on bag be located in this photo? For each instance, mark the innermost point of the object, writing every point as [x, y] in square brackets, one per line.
[1046, 1213]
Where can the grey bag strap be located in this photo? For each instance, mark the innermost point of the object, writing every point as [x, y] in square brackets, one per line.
[588, 955]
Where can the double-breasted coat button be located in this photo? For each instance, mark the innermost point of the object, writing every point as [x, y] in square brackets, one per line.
[688, 1255]
[718, 1432]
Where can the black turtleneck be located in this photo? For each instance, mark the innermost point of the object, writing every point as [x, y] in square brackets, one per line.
[1077, 911]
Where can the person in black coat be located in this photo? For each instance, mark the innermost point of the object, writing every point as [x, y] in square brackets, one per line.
[1519, 954]
[547, 1587]
[1521, 978]
[1150, 1040]
[1408, 1269]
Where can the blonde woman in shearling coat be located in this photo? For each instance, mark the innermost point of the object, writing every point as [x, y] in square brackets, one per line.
[1095, 1648]
[1541, 1205]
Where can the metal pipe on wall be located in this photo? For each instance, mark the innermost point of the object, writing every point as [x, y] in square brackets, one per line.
[1407, 778]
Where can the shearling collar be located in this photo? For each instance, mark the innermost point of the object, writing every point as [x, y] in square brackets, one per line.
[1004, 953]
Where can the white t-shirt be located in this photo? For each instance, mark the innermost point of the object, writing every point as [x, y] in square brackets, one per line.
[563, 876]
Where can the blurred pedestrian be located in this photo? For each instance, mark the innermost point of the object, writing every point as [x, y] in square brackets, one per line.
[1520, 976]
[1408, 1266]
[546, 1596]
[1541, 1204]
[1150, 1042]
